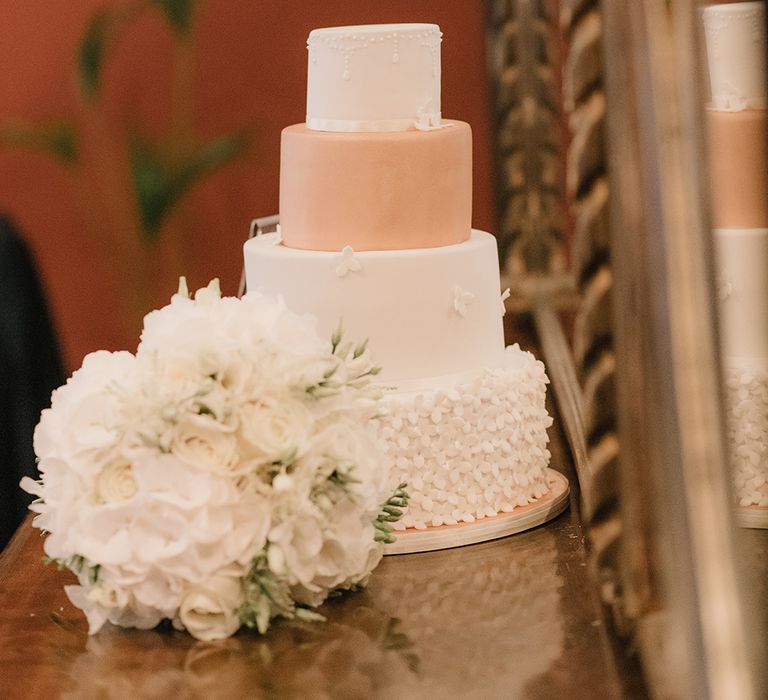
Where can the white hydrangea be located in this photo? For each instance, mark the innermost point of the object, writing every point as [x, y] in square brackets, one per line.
[234, 446]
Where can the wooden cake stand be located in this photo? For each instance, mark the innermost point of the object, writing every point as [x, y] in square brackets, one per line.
[752, 516]
[501, 525]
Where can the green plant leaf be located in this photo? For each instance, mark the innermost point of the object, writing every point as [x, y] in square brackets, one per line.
[160, 181]
[210, 157]
[179, 13]
[152, 184]
[57, 138]
[90, 54]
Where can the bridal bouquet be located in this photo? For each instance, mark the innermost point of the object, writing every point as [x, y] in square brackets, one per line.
[226, 473]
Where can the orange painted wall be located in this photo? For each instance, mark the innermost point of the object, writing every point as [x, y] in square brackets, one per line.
[248, 72]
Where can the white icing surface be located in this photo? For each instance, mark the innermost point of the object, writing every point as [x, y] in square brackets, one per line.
[403, 301]
[747, 427]
[735, 39]
[742, 258]
[742, 261]
[470, 447]
[377, 77]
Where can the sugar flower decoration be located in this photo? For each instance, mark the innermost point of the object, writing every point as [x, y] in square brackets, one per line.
[461, 299]
[504, 296]
[427, 118]
[347, 262]
[724, 285]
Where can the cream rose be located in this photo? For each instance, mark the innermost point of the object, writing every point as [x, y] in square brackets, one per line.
[211, 610]
[205, 447]
[346, 445]
[300, 541]
[116, 482]
[275, 427]
[108, 596]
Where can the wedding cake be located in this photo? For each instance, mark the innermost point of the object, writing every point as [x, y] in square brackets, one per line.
[737, 123]
[375, 231]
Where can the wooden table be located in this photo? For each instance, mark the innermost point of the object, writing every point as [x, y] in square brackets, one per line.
[513, 618]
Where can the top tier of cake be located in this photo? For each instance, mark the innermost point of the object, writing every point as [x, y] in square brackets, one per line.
[735, 38]
[381, 77]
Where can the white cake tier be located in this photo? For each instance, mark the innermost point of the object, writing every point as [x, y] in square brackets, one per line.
[735, 38]
[378, 77]
[747, 426]
[742, 262]
[426, 312]
[470, 446]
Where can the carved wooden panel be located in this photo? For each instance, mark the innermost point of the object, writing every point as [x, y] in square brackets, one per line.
[547, 70]
[522, 50]
[587, 196]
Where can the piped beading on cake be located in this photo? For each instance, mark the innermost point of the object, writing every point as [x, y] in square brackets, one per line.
[380, 77]
[735, 41]
[473, 448]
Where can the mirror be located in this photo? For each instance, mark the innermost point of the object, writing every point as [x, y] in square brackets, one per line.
[609, 244]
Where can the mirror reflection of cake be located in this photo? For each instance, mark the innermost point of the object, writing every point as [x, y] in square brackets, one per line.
[737, 123]
[375, 231]
[479, 618]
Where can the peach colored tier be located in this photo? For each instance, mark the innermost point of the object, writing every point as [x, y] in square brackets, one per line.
[376, 191]
[738, 151]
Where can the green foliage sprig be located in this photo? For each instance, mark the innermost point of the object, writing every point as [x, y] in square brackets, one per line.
[268, 595]
[76, 564]
[391, 511]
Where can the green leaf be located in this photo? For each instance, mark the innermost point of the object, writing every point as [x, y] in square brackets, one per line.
[179, 13]
[57, 138]
[210, 157]
[152, 185]
[390, 512]
[160, 181]
[90, 54]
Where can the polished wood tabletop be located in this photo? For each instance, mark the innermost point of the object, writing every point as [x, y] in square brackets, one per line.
[512, 618]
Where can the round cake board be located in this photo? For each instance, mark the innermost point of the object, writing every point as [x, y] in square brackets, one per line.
[752, 516]
[501, 525]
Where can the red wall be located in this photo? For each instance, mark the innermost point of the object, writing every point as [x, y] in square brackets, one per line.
[247, 64]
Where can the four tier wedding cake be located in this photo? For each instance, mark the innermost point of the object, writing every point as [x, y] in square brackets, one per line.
[737, 122]
[375, 232]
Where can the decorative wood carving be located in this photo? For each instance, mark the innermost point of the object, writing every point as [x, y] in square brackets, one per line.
[522, 54]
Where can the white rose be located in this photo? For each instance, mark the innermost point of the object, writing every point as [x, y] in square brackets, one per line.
[272, 320]
[206, 446]
[350, 447]
[211, 609]
[116, 482]
[175, 326]
[95, 612]
[109, 596]
[274, 427]
[300, 541]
